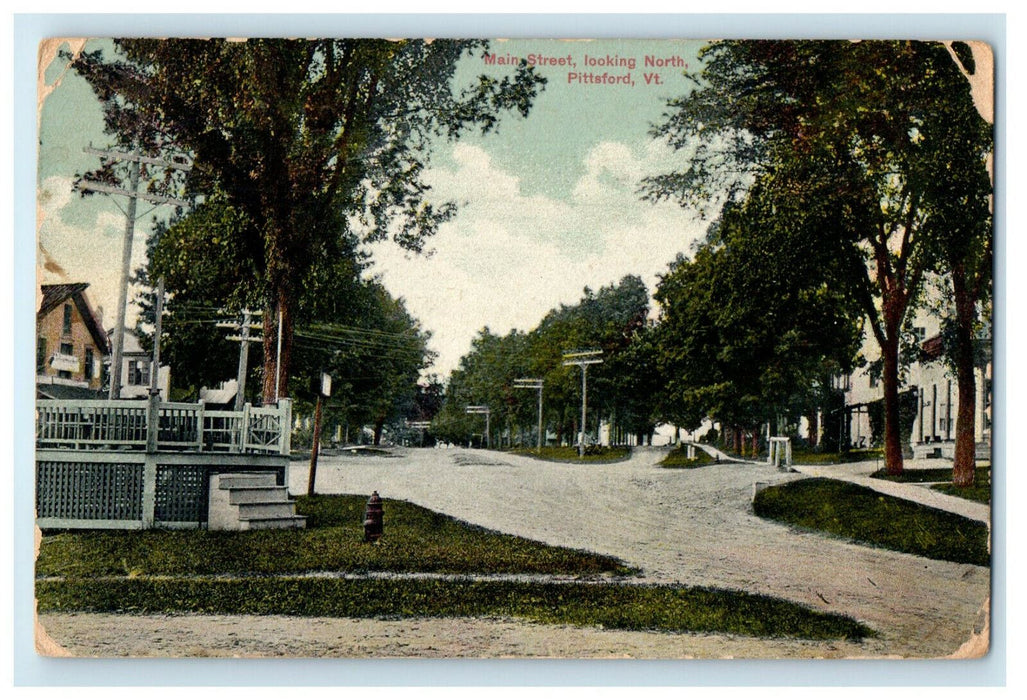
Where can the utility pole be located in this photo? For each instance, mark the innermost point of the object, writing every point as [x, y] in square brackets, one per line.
[133, 194]
[533, 384]
[482, 410]
[583, 360]
[244, 338]
[153, 407]
[278, 357]
[158, 329]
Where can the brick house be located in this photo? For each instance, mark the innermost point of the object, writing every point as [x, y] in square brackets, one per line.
[71, 345]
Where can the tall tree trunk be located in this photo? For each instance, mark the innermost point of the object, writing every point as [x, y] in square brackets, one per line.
[964, 461]
[379, 424]
[892, 422]
[273, 368]
[813, 434]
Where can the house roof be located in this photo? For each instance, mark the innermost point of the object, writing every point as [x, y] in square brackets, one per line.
[54, 295]
[933, 347]
[64, 391]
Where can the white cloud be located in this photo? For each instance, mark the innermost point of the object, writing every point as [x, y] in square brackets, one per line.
[86, 253]
[508, 258]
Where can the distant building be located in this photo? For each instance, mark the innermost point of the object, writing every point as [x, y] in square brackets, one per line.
[135, 370]
[71, 345]
[221, 397]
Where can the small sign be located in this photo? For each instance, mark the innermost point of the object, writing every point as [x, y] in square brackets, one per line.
[326, 384]
[64, 363]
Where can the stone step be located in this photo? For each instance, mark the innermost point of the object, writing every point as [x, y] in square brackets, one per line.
[235, 481]
[267, 509]
[287, 522]
[258, 494]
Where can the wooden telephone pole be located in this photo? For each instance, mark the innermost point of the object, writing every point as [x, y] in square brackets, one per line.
[244, 339]
[133, 194]
[583, 360]
[533, 384]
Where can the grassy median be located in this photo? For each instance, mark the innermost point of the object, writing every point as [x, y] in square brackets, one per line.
[631, 607]
[678, 459]
[594, 454]
[868, 517]
[942, 480]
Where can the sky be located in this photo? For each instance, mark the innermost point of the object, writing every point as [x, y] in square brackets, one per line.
[547, 206]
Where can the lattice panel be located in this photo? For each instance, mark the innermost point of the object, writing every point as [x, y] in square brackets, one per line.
[89, 491]
[181, 493]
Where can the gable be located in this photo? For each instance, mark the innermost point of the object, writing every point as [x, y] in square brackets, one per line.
[55, 296]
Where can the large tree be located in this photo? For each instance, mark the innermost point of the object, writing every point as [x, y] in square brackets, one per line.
[960, 222]
[754, 326]
[306, 139]
[872, 113]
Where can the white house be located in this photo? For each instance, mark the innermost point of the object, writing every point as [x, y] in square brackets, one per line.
[934, 428]
[135, 371]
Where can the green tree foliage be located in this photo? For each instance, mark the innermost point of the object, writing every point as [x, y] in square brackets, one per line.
[870, 125]
[307, 140]
[346, 326]
[373, 349]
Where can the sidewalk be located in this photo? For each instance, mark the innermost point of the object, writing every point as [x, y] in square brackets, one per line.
[859, 473]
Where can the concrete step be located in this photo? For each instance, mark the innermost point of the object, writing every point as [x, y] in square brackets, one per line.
[238, 481]
[287, 522]
[251, 501]
[258, 494]
[267, 509]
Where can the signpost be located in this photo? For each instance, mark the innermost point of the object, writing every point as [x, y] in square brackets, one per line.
[323, 391]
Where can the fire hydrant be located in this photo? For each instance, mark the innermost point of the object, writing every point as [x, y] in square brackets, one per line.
[373, 518]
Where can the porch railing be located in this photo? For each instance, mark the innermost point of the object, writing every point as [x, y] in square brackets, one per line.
[155, 425]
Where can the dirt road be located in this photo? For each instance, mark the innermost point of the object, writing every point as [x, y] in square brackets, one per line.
[693, 527]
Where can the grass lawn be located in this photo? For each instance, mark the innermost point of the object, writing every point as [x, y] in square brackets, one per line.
[632, 607]
[678, 459]
[980, 491]
[594, 454]
[261, 573]
[416, 539]
[866, 516]
[800, 457]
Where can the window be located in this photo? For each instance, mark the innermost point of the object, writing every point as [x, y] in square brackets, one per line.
[67, 319]
[40, 355]
[90, 364]
[138, 372]
[66, 349]
[921, 333]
